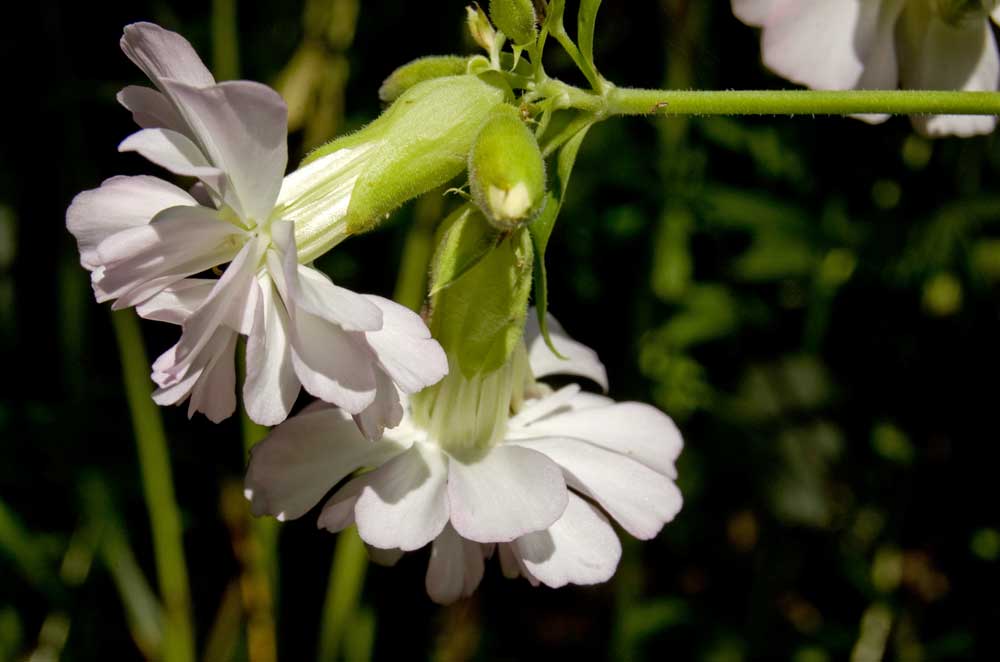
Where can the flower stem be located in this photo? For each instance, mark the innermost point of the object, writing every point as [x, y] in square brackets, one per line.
[343, 593]
[627, 101]
[164, 515]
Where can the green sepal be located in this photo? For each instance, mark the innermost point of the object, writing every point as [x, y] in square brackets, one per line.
[419, 70]
[464, 239]
[479, 318]
[419, 143]
[541, 228]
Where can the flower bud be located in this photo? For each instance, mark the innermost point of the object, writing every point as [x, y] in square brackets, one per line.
[480, 28]
[507, 171]
[516, 19]
[419, 70]
[959, 12]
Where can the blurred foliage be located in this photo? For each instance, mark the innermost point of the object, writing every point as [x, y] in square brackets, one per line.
[814, 300]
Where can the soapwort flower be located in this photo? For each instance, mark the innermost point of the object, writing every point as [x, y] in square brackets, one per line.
[534, 490]
[883, 44]
[145, 242]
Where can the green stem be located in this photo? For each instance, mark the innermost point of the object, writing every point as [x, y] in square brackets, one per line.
[626, 101]
[343, 593]
[164, 515]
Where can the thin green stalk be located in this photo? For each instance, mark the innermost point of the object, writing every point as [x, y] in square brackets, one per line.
[343, 593]
[626, 101]
[157, 482]
[225, 45]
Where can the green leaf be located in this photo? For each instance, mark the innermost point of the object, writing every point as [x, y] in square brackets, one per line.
[466, 239]
[586, 20]
[541, 228]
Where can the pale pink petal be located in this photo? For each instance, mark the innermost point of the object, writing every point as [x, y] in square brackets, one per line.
[507, 493]
[271, 386]
[175, 152]
[241, 127]
[405, 348]
[386, 411]
[403, 504]
[214, 394]
[634, 429]
[178, 302]
[119, 204]
[580, 548]
[579, 359]
[332, 364]
[301, 459]
[163, 54]
[151, 109]
[939, 56]
[180, 241]
[455, 568]
[640, 499]
[753, 12]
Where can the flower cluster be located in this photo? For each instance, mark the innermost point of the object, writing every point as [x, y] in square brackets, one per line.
[527, 494]
[883, 44]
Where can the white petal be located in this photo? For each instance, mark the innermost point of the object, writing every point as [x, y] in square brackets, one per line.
[384, 557]
[508, 493]
[119, 204]
[580, 359]
[640, 499]
[939, 56]
[826, 45]
[180, 241]
[534, 410]
[753, 12]
[214, 394]
[301, 459]
[175, 152]
[242, 128]
[455, 568]
[403, 504]
[151, 109]
[315, 293]
[634, 429]
[508, 561]
[386, 411]
[176, 303]
[271, 386]
[405, 348]
[332, 364]
[580, 548]
[163, 54]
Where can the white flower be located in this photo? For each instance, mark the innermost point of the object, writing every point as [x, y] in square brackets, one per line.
[143, 239]
[883, 44]
[535, 493]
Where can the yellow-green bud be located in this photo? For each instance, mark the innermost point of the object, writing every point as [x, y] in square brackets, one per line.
[516, 19]
[959, 12]
[507, 171]
[479, 27]
[419, 70]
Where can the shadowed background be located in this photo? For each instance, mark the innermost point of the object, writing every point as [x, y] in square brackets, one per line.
[815, 302]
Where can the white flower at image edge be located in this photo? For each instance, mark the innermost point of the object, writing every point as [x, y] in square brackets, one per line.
[883, 45]
[537, 498]
[143, 239]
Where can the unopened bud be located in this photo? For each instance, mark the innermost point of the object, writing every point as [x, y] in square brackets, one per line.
[480, 27]
[963, 12]
[507, 171]
[419, 70]
[516, 19]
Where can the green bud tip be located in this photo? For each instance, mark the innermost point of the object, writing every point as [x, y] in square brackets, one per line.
[516, 19]
[480, 27]
[507, 171]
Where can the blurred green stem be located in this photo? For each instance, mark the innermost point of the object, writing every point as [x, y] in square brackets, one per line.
[225, 45]
[164, 515]
[343, 594]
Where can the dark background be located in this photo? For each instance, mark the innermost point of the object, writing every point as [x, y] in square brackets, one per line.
[815, 301]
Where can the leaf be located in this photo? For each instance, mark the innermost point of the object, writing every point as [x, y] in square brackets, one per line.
[586, 20]
[541, 228]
